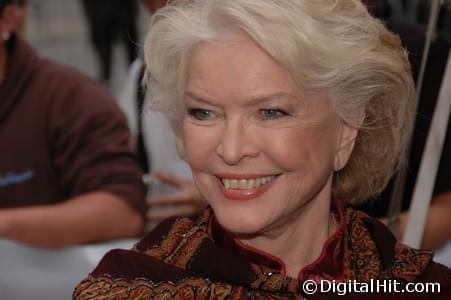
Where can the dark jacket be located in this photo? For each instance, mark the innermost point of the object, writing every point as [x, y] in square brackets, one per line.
[61, 135]
[197, 259]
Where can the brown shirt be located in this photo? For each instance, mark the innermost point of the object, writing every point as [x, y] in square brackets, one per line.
[61, 135]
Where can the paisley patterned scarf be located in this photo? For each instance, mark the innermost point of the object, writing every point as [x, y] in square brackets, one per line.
[195, 259]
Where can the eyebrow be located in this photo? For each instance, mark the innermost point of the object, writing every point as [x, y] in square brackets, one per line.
[253, 102]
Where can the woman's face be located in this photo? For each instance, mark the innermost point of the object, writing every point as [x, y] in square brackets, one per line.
[259, 148]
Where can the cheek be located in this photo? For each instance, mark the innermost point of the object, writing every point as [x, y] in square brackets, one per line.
[199, 144]
[301, 147]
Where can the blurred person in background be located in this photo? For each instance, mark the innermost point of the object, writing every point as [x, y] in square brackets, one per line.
[171, 190]
[110, 21]
[68, 173]
[438, 225]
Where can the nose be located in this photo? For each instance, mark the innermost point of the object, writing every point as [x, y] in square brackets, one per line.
[238, 143]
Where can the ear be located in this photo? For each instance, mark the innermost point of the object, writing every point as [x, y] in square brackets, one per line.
[11, 18]
[345, 144]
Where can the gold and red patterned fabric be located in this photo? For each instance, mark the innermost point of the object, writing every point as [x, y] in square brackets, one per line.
[196, 259]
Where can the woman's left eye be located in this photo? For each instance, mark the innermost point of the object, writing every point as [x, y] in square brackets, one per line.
[272, 113]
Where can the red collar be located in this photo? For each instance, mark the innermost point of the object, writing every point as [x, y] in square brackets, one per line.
[328, 265]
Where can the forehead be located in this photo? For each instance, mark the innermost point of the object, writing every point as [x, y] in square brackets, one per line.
[237, 65]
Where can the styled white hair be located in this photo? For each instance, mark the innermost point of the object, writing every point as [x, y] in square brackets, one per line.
[328, 45]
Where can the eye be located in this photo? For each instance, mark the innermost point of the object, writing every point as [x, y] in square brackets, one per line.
[272, 113]
[201, 114]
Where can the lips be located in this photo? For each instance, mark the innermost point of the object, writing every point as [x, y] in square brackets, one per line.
[242, 187]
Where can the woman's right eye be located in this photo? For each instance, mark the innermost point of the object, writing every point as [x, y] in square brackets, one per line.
[201, 114]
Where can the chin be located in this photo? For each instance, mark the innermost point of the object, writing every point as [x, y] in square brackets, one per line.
[239, 221]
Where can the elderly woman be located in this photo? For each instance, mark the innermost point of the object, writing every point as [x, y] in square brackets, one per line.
[286, 111]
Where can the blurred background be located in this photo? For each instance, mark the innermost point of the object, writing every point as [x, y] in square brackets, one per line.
[60, 30]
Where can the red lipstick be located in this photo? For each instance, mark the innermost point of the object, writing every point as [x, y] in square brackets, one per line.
[244, 194]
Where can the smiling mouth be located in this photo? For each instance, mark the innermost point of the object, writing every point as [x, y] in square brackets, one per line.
[245, 187]
[246, 184]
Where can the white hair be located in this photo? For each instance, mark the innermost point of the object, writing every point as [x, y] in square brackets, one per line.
[329, 45]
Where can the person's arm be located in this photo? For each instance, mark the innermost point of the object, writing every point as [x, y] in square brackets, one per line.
[91, 154]
[94, 216]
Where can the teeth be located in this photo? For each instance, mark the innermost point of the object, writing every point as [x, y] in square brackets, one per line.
[242, 184]
[245, 184]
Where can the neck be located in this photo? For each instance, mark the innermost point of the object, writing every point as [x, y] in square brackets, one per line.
[300, 242]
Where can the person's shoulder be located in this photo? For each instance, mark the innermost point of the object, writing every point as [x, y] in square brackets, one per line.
[169, 228]
[127, 272]
[436, 272]
[397, 259]
[390, 248]
[129, 264]
[60, 73]
[71, 84]
[67, 87]
[141, 268]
